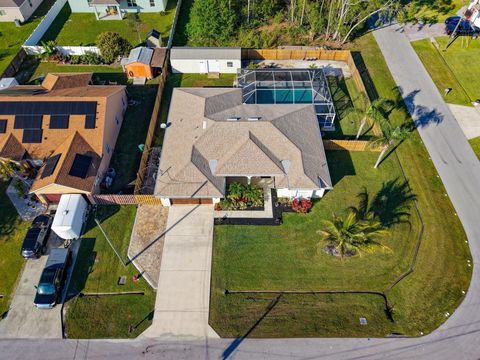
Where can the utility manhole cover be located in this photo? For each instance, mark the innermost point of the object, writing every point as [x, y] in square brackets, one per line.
[122, 280]
[363, 321]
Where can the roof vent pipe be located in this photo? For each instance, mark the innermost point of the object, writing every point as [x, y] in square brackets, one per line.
[253, 118]
[233, 118]
[204, 126]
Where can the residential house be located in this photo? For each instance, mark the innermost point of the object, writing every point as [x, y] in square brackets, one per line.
[213, 138]
[116, 9]
[21, 10]
[65, 128]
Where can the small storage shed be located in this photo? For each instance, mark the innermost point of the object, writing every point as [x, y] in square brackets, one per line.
[154, 39]
[205, 60]
[70, 216]
[138, 63]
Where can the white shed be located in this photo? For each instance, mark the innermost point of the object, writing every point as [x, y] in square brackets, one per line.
[205, 60]
[70, 216]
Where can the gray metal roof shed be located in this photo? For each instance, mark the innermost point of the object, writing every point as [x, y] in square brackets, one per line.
[205, 53]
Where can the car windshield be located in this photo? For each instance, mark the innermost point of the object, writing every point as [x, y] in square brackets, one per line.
[46, 289]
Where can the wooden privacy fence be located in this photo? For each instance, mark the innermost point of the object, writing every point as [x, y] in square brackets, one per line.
[152, 127]
[304, 54]
[350, 145]
[114, 199]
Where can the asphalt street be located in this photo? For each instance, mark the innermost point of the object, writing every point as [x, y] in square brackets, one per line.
[458, 338]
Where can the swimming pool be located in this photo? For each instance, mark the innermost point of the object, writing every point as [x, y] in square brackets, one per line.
[284, 96]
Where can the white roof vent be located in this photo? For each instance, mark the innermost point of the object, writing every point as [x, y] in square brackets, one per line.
[233, 118]
[213, 166]
[253, 118]
[204, 124]
[286, 165]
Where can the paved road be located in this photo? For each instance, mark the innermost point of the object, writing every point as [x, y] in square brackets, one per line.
[458, 338]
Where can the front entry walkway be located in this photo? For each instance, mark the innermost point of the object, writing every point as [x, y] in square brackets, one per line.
[183, 293]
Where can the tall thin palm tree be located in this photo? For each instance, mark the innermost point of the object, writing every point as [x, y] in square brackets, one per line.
[389, 138]
[373, 112]
[350, 235]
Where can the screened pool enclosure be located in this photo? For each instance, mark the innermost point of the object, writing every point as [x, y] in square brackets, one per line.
[289, 86]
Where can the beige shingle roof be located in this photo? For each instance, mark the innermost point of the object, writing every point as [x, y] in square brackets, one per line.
[202, 146]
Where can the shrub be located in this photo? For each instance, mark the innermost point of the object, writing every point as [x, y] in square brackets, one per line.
[112, 45]
[90, 58]
[20, 188]
[301, 206]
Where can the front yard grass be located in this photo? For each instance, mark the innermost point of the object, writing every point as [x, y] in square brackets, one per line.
[13, 37]
[291, 257]
[65, 30]
[456, 74]
[97, 269]
[475, 144]
[12, 232]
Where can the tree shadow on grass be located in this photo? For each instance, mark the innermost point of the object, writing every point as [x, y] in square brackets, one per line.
[101, 213]
[390, 205]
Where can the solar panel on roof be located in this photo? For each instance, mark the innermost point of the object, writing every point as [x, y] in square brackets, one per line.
[32, 136]
[50, 166]
[90, 121]
[3, 126]
[59, 122]
[80, 166]
[28, 122]
[48, 107]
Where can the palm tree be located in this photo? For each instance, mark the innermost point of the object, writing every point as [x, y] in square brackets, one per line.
[235, 191]
[373, 112]
[389, 138]
[352, 236]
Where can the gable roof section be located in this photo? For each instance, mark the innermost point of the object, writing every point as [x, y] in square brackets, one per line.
[57, 81]
[200, 135]
[12, 149]
[11, 3]
[140, 54]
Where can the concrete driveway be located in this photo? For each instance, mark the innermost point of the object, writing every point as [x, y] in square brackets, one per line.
[468, 118]
[24, 320]
[183, 293]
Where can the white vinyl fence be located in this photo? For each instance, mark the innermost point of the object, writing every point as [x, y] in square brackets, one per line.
[43, 26]
[65, 50]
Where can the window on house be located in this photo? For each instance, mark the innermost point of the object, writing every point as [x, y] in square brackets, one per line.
[132, 3]
[3, 13]
[229, 63]
[152, 3]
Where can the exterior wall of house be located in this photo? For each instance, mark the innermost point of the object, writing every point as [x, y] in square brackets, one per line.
[55, 189]
[304, 193]
[82, 6]
[22, 13]
[199, 66]
[138, 69]
[116, 107]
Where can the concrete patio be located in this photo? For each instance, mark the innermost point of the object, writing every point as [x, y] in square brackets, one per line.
[27, 209]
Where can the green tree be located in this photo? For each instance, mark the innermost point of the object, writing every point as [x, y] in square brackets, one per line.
[112, 45]
[7, 169]
[371, 111]
[352, 236]
[212, 23]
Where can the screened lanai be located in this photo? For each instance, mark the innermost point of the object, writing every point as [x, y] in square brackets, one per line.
[289, 86]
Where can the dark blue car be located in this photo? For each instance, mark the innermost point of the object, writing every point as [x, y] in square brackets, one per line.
[465, 28]
[35, 241]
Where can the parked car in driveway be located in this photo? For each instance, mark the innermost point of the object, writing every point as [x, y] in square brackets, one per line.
[465, 28]
[35, 241]
[52, 279]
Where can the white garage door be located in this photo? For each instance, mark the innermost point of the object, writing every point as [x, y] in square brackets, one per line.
[213, 66]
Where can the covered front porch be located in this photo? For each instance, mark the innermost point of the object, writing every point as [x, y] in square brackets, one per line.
[107, 9]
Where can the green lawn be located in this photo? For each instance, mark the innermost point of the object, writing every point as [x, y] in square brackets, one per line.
[97, 270]
[475, 143]
[451, 69]
[65, 29]
[285, 257]
[428, 12]
[126, 156]
[13, 37]
[186, 80]
[12, 232]
[291, 257]
[346, 98]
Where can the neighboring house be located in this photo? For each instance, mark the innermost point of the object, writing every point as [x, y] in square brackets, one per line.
[144, 62]
[213, 138]
[116, 9]
[66, 128]
[11, 10]
[205, 60]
